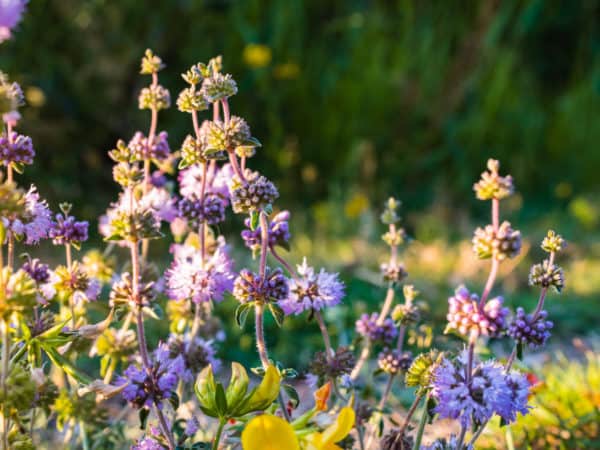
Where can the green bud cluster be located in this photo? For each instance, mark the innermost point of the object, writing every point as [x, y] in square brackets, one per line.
[546, 275]
[19, 398]
[231, 136]
[19, 295]
[219, 87]
[69, 407]
[191, 100]
[406, 314]
[192, 152]
[12, 200]
[151, 63]
[394, 238]
[99, 266]
[127, 175]
[134, 226]
[122, 292]
[501, 244]
[553, 242]
[118, 344]
[70, 280]
[154, 97]
[492, 185]
[195, 74]
[390, 213]
[11, 95]
[419, 372]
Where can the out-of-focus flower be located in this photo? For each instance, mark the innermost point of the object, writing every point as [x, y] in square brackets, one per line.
[197, 353]
[10, 15]
[312, 291]
[339, 364]
[190, 181]
[368, 327]
[279, 232]
[492, 185]
[16, 149]
[147, 444]
[501, 244]
[393, 361]
[546, 275]
[66, 230]
[257, 55]
[142, 149]
[553, 242]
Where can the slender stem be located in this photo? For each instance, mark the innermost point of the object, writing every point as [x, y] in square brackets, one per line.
[461, 437]
[217, 440]
[511, 359]
[495, 213]
[226, 114]
[110, 371]
[470, 352]
[260, 335]
[264, 236]
[10, 257]
[3, 377]
[84, 438]
[143, 346]
[409, 415]
[490, 281]
[326, 339]
[69, 259]
[387, 305]
[364, 355]
[283, 262]
[281, 400]
[386, 392]
[164, 427]
[235, 166]
[421, 429]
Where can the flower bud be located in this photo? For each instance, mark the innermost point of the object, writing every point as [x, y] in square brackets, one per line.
[553, 242]
[501, 244]
[492, 185]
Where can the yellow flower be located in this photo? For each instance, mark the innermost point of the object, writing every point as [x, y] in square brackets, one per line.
[267, 432]
[266, 392]
[332, 434]
[257, 55]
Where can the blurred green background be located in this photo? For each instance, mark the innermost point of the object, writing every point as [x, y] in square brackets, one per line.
[353, 101]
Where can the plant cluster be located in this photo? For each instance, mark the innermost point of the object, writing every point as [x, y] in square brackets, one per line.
[47, 313]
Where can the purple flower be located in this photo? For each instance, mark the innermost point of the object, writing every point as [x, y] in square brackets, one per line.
[279, 232]
[159, 201]
[368, 327]
[155, 384]
[312, 291]
[196, 352]
[467, 318]
[190, 278]
[250, 287]
[18, 149]
[37, 220]
[527, 329]
[66, 230]
[10, 15]
[211, 211]
[489, 391]
[191, 426]
[157, 149]
[147, 444]
[450, 444]
[36, 270]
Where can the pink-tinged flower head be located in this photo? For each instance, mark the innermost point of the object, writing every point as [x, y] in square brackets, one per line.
[190, 182]
[10, 15]
[468, 318]
[38, 218]
[312, 291]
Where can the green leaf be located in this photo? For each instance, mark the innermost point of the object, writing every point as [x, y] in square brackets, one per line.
[520, 351]
[254, 217]
[66, 365]
[174, 400]
[241, 313]
[221, 400]
[292, 394]
[277, 313]
[144, 413]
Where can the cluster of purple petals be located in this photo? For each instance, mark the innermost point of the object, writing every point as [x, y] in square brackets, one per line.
[211, 211]
[154, 385]
[279, 232]
[147, 444]
[158, 179]
[18, 149]
[250, 287]
[368, 327]
[312, 291]
[10, 16]
[157, 149]
[38, 271]
[37, 219]
[467, 318]
[66, 230]
[529, 329]
[489, 391]
[190, 278]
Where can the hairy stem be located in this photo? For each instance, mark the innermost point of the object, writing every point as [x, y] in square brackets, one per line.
[261, 346]
[326, 339]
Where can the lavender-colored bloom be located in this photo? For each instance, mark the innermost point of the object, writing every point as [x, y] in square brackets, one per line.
[190, 278]
[38, 271]
[489, 391]
[147, 444]
[211, 210]
[158, 179]
[159, 201]
[18, 149]
[66, 230]
[152, 386]
[368, 327]
[250, 287]
[279, 232]
[191, 426]
[312, 291]
[450, 444]
[10, 15]
[190, 182]
[467, 318]
[530, 330]
[157, 149]
[38, 218]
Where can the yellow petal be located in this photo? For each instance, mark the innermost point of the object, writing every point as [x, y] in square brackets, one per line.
[267, 432]
[266, 392]
[340, 428]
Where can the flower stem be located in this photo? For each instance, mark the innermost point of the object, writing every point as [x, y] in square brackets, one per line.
[260, 335]
[164, 427]
[326, 339]
[421, 429]
[217, 440]
[411, 412]
[364, 355]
